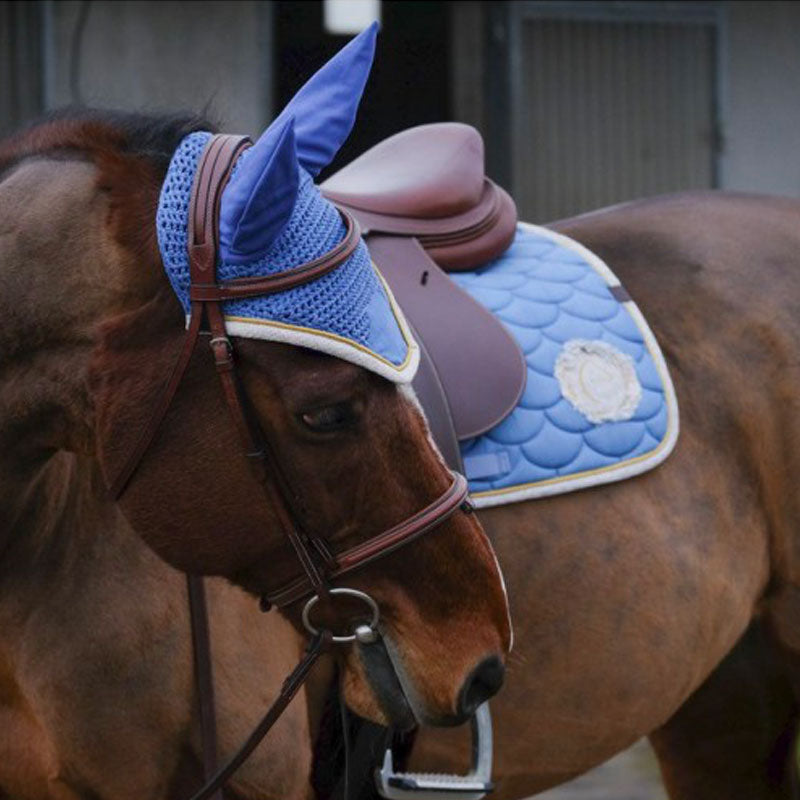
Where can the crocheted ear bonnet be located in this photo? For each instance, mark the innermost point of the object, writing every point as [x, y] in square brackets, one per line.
[273, 218]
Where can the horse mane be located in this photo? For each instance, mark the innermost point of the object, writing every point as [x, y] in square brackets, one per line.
[131, 152]
[76, 132]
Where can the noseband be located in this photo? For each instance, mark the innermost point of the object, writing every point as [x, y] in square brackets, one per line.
[320, 564]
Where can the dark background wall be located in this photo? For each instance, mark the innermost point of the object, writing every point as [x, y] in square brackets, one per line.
[21, 61]
[410, 80]
[581, 104]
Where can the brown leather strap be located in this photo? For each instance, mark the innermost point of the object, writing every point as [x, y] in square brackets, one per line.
[157, 417]
[223, 152]
[213, 171]
[316, 648]
[239, 288]
[408, 530]
[203, 676]
[260, 454]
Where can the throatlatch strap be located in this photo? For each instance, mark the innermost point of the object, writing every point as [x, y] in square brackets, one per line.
[157, 417]
[223, 152]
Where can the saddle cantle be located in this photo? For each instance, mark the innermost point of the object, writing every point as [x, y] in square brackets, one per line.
[429, 182]
[424, 205]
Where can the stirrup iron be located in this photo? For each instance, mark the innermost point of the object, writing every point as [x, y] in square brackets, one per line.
[476, 784]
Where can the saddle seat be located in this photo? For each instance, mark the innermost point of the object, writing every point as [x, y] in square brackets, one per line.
[429, 182]
[425, 206]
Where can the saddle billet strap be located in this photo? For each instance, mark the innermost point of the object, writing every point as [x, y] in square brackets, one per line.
[454, 497]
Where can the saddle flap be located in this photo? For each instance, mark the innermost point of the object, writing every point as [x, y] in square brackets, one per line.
[479, 365]
[427, 172]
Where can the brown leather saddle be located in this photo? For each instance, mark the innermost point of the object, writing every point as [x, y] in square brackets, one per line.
[426, 208]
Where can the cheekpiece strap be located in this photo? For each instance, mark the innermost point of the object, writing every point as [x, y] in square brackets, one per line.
[213, 171]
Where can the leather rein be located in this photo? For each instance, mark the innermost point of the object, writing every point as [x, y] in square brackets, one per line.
[320, 564]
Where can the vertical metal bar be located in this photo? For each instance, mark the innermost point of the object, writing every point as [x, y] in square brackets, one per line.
[609, 103]
[266, 36]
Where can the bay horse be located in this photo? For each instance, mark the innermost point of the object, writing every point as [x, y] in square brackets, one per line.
[668, 605]
[96, 691]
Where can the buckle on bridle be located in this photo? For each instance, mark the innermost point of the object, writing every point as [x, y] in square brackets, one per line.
[365, 633]
[222, 359]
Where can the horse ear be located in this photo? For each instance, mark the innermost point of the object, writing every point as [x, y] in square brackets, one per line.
[325, 107]
[258, 200]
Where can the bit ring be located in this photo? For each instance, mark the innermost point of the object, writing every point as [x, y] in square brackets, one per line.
[363, 596]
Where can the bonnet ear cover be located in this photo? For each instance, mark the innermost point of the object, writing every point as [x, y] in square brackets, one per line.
[258, 200]
[260, 196]
[325, 107]
[273, 218]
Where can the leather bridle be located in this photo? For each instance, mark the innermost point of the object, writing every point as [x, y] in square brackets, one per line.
[320, 564]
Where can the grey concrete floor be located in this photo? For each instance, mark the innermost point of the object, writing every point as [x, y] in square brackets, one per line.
[632, 775]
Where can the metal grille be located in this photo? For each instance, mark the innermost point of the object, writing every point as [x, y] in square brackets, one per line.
[607, 111]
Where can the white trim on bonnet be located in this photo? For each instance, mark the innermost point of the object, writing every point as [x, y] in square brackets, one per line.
[333, 344]
[326, 343]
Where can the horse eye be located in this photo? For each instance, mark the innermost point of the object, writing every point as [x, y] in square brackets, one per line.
[330, 418]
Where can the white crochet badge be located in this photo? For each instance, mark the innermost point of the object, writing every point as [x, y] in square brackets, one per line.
[599, 380]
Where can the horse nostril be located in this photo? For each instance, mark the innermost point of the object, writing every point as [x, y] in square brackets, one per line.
[483, 682]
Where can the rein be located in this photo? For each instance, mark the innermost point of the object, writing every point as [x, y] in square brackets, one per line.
[320, 565]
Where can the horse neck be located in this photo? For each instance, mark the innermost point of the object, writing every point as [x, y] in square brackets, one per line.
[72, 571]
[61, 273]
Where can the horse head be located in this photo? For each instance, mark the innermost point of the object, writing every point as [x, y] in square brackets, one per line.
[326, 369]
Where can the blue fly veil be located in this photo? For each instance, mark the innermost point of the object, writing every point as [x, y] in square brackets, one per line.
[273, 218]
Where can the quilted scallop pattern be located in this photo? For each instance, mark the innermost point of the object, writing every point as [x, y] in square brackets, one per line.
[547, 294]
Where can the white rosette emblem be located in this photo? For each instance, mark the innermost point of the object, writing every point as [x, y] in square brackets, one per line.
[599, 380]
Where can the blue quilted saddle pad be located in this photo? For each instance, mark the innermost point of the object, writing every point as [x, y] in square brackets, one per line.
[599, 405]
